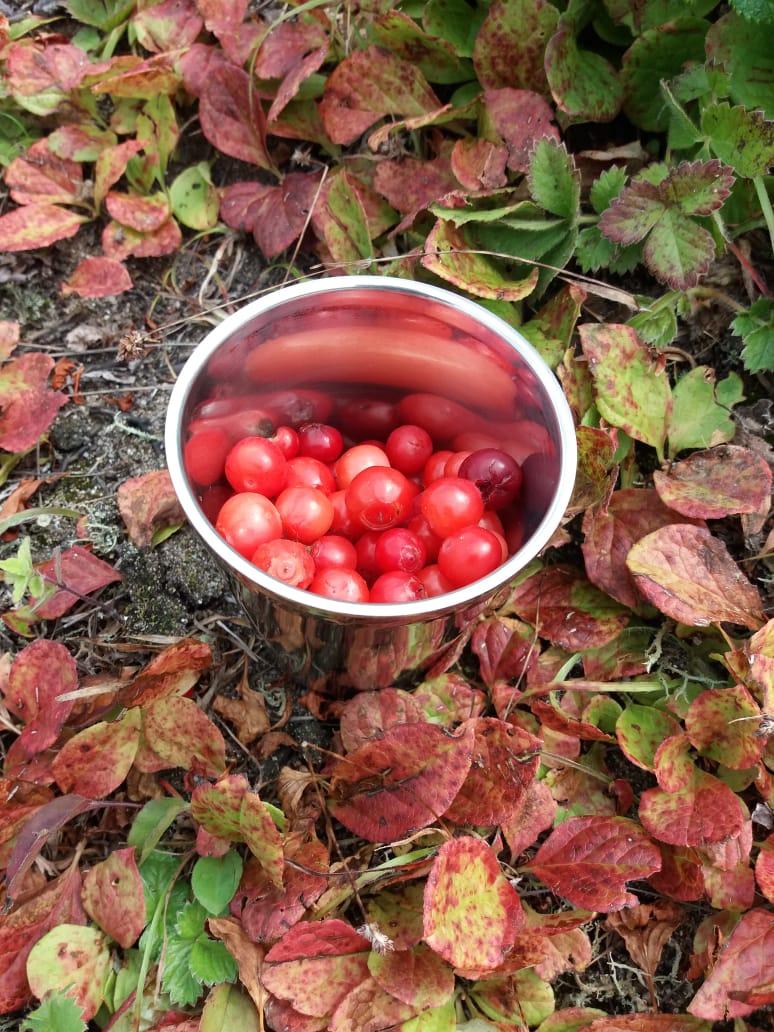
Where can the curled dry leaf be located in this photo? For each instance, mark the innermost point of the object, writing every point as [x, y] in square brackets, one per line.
[646, 928]
[688, 573]
[148, 503]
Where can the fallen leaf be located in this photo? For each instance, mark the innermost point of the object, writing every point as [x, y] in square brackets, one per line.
[98, 277]
[247, 954]
[114, 897]
[646, 928]
[391, 787]
[174, 671]
[367, 715]
[180, 732]
[688, 574]
[316, 964]
[744, 968]
[27, 405]
[95, 761]
[39, 674]
[722, 723]
[148, 503]
[471, 911]
[705, 810]
[588, 860]
[75, 572]
[719, 482]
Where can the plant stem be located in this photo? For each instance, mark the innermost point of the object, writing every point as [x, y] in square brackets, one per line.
[765, 203]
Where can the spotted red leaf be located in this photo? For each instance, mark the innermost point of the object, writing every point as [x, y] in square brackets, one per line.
[609, 534]
[367, 715]
[471, 911]
[722, 723]
[505, 761]
[703, 811]
[95, 761]
[390, 788]
[764, 868]
[37, 225]
[114, 897]
[173, 671]
[419, 976]
[316, 964]
[366, 86]
[568, 609]
[715, 483]
[181, 733]
[688, 573]
[39, 674]
[27, 404]
[743, 970]
[275, 215]
[588, 860]
[232, 117]
[520, 118]
[40, 177]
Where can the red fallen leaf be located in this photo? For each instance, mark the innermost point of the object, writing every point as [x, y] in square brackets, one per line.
[520, 118]
[47, 820]
[315, 965]
[265, 911]
[534, 814]
[722, 724]
[567, 609]
[609, 536]
[505, 761]
[479, 164]
[417, 977]
[368, 1008]
[688, 574]
[114, 897]
[471, 911]
[121, 242]
[34, 67]
[111, 165]
[368, 85]
[94, 762]
[148, 503]
[732, 889]
[397, 913]
[174, 671]
[179, 732]
[367, 715]
[40, 177]
[681, 875]
[505, 649]
[704, 811]
[18, 802]
[764, 868]
[588, 860]
[275, 215]
[390, 788]
[143, 214]
[80, 142]
[508, 50]
[225, 19]
[39, 674]
[411, 185]
[744, 969]
[98, 277]
[232, 117]
[279, 1014]
[166, 25]
[552, 714]
[718, 482]
[27, 406]
[76, 572]
[292, 52]
[59, 902]
[129, 76]
[38, 225]
[10, 334]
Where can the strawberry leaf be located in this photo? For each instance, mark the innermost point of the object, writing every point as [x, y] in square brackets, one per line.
[584, 84]
[98, 277]
[756, 328]
[553, 179]
[701, 408]
[588, 860]
[744, 968]
[509, 46]
[391, 787]
[689, 574]
[742, 139]
[716, 483]
[471, 911]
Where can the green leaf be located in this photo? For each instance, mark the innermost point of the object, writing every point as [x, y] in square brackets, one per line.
[455, 21]
[57, 1013]
[739, 46]
[607, 186]
[151, 822]
[177, 980]
[194, 198]
[701, 412]
[632, 387]
[102, 14]
[214, 880]
[755, 10]
[584, 85]
[678, 251]
[656, 326]
[756, 328]
[211, 962]
[448, 256]
[659, 53]
[553, 179]
[228, 1009]
[190, 921]
[594, 251]
[743, 139]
